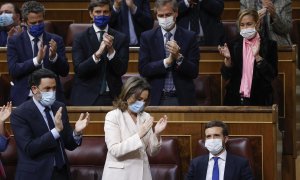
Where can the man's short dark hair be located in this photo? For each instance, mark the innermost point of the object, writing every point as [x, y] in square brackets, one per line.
[95, 3]
[32, 7]
[16, 8]
[35, 78]
[217, 123]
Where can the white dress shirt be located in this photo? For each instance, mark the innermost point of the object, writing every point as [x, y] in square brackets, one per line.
[221, 163]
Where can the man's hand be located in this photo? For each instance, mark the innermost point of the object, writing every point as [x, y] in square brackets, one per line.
[270, 7]
[117, 4]
[173, 48]
[42, 52]
[108, 41]
[130, 4]
[52, 49]
[57, 120]
[82, 123]
[5, 112]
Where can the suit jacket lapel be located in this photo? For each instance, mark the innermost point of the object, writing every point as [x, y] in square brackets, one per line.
[178, 37]
[159, 43]
[27, 45]
[228, 167]
[38, 118]
[93, 39]
[204, 168]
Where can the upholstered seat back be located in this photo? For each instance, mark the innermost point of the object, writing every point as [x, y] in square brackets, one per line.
[166, 164]
[73, 30]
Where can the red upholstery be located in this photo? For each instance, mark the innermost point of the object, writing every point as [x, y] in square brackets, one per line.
[73, 30]
[206, 91]
[166, 164]
[87, 161]
[238, 146]
[49, 27]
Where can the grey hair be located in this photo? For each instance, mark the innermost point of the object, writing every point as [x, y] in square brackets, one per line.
[32, 7]
[161, 3]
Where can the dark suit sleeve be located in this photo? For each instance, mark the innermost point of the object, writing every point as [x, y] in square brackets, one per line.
[213, 7]
[190, 63]
[143, 15]
[61, 65]
[24, 136]
[147, 67]
[119, 63]
[192, 170]
[67, 133]
[246, 172]
[83, 67]
[17, 68]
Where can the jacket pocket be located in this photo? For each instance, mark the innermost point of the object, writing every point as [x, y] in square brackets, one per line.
[117, 165]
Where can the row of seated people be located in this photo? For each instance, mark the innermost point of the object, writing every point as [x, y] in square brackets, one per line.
[87, 161]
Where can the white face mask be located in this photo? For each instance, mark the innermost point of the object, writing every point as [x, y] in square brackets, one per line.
[248, 33]
[6, 19]
[166, 23]
[214, 146]
[48, 98]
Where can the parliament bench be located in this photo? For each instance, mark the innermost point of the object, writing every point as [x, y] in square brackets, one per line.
[87, 161]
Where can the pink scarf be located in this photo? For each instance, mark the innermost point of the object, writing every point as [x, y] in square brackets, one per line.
[248, 65]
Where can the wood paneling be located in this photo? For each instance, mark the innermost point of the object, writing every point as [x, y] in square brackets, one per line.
[210, 63]
[187, 125]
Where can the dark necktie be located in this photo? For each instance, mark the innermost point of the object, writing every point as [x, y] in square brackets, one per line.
[58, 152]
[103, 68]
[194, 19]
[35, 47]
[215, 175]
[169, 85]
[101, 36]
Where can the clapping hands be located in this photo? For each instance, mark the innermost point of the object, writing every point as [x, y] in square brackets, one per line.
[5, 112]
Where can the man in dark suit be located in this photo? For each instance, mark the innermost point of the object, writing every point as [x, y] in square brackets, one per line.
[34, 49]
[131, 17]
[169, 58]
[218, 164]
[204, 18]
[100, 58]
[10, 22]
[42, 131]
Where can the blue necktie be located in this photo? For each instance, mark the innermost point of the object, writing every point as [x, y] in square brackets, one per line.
[169, 85]
[59, 162]
[215, 175]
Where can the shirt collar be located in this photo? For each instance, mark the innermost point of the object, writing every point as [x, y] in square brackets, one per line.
[31, 37]
[97, 29]
[221, 156]
[38, 104]
[171, 31]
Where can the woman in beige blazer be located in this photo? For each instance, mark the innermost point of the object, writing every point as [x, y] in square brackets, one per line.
[128, 134]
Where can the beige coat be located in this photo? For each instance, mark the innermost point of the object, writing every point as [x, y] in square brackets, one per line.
[127, 154]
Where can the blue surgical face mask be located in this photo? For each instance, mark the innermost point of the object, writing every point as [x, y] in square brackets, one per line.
[37, 30]
[101, 21]
[137, 106]
[6, 19]
[48, 98]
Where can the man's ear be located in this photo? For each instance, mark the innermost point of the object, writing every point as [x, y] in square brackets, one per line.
[226, 139]
[34, 89]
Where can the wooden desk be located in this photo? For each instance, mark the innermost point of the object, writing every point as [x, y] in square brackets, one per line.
[210, 64]
[186, 124]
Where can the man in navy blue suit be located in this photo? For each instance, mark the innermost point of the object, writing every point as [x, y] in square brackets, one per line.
[42, 131]
[34, 49]
[204, 18]
[131, 17]
[218, 164]
[169, 58]
[100, 58]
